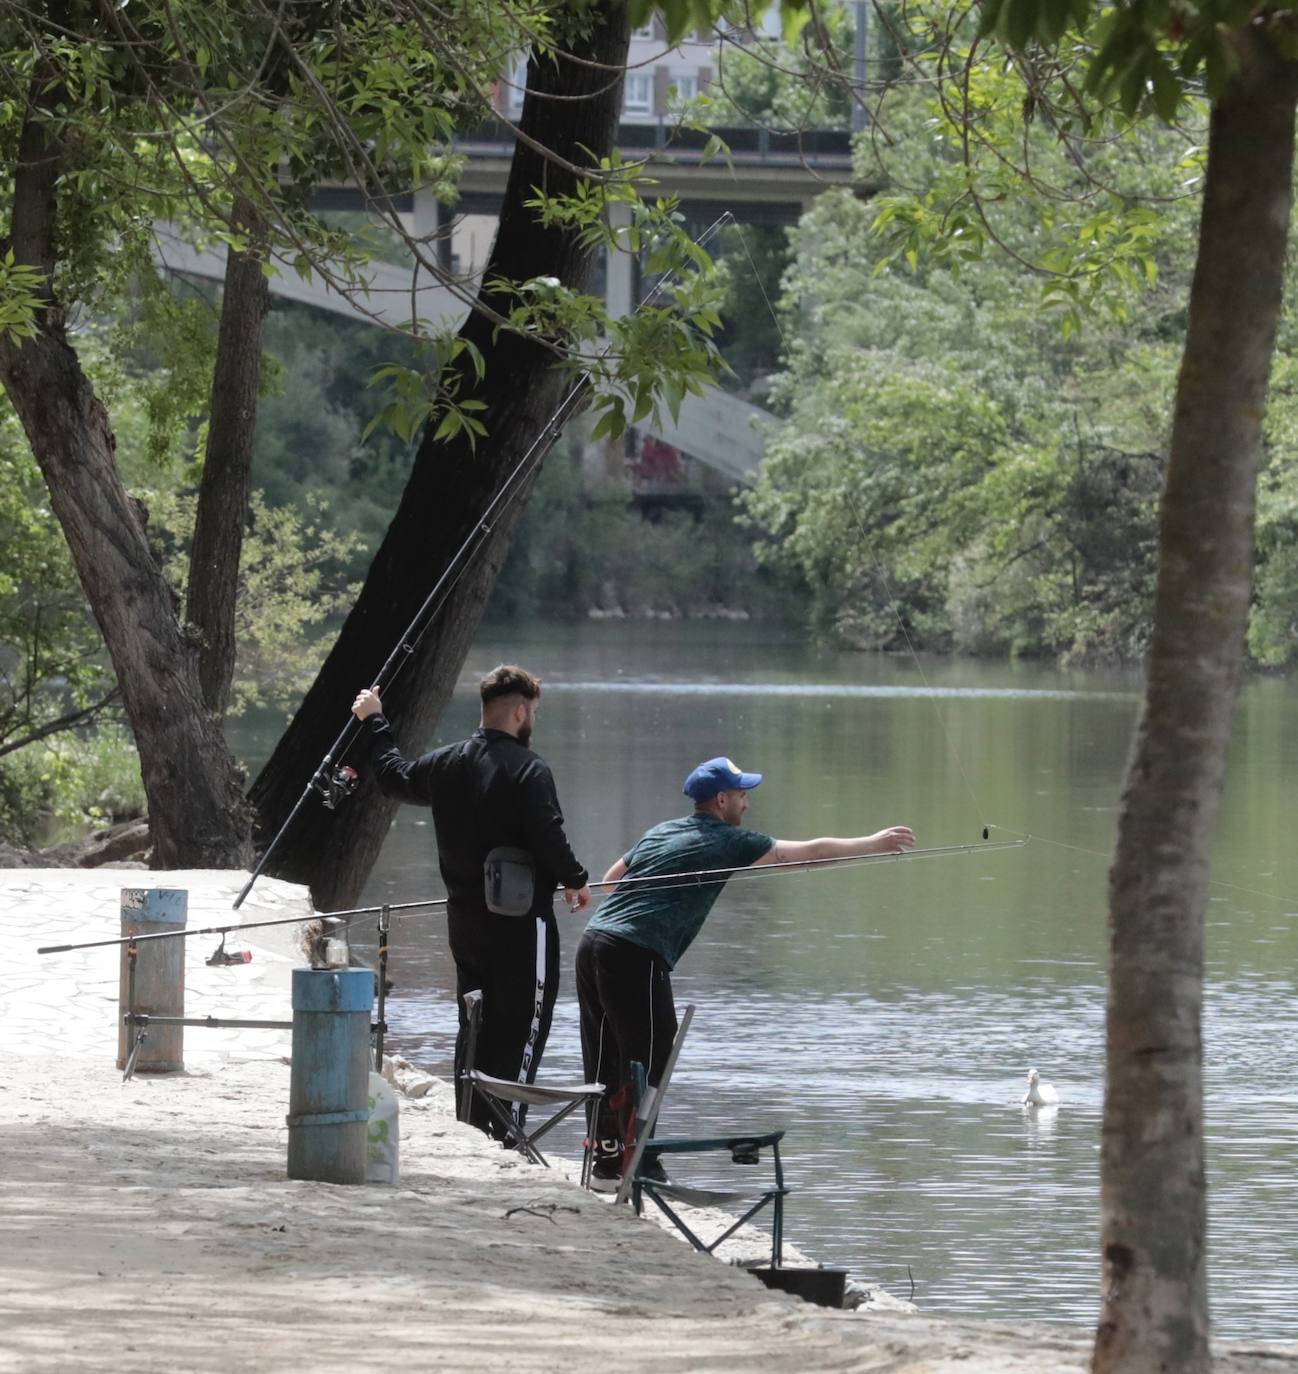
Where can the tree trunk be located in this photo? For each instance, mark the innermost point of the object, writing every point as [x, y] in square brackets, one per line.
[226, 486]
[450, 486]
[197, 816]
[1154, 1314]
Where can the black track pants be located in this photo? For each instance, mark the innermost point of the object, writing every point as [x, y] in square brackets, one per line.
[514, 961]
[627, 1016]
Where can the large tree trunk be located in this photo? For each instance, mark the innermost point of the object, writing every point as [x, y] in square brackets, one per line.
[197, 815]
[449, 488]
[1153, 1199]
[226, 485]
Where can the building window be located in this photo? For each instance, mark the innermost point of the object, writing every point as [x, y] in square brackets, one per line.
[686, 84]
[638, 95]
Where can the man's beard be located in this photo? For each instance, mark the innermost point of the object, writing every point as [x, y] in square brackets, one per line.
[524, 736]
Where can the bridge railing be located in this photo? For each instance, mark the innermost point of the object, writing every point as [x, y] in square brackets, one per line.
[810, 147]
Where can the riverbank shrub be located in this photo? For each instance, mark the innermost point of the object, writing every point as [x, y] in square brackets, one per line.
[962, 467]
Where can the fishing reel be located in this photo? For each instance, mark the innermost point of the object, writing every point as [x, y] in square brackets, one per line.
[334, 788]
[221, 957]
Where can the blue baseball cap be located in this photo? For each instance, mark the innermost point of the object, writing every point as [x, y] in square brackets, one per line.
[718, 775]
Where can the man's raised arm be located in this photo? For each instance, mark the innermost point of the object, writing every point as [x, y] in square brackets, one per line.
[894, 840]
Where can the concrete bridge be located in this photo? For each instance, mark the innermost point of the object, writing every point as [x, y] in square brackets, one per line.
[770, 178]
[720, 431]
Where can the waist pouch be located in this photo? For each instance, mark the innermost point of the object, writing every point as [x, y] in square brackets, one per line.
[509, 878]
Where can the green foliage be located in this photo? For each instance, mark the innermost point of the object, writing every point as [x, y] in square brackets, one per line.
[296, 571]
[21, 296]
[582, 547]
[50, 658]
[954, 472]
[1273, 625]
[68, 782]
[52, 667]
[1149, 56]
[664, 348]
[291, 584]
[223, 118]
[752, 260]
[777, 85]
[1013, 159]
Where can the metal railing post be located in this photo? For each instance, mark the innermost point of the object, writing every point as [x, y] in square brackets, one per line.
[152, 979]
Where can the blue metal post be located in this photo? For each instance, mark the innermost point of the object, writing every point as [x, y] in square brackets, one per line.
[329, 1082]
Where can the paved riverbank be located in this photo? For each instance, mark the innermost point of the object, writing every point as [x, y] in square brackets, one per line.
[149, 1225]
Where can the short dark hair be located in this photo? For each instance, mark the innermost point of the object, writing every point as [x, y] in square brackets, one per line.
[508, 680]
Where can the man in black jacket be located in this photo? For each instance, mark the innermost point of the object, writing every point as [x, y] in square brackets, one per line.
[487, 792]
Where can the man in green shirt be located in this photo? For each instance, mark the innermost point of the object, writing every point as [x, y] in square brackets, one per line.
[633, 942]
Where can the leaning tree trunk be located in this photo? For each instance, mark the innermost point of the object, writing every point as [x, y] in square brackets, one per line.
[226, 485]
[198, 819]
[1153, 1199]
[449, 488]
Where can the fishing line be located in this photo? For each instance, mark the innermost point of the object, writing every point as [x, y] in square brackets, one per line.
[330, 779]
[1107, 856]
[666, 882]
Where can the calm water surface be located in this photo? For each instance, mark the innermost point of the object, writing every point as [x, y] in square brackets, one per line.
[885, 1016]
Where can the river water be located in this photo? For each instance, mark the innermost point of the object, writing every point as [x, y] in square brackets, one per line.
[885, 1016]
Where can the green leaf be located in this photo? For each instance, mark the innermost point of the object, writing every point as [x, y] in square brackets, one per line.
[451, 424]
[1132, 85]
[990, 18]
[1020, 22]
[1218, 65]
[1054, 19]
[1167, 89]
[793, 19]
[603, 427]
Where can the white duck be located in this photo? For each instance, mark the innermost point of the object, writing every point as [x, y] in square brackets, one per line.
[1039, 1094]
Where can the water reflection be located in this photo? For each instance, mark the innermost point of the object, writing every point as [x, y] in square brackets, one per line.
[886, 1016]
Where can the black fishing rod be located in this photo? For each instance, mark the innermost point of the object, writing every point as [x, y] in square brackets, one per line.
[666, 882]
[333, 781]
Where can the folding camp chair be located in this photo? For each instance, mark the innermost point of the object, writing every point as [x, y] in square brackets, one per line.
[495, 1092]
[743, 1150]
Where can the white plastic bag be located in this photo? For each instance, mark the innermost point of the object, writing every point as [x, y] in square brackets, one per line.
[382, 1164]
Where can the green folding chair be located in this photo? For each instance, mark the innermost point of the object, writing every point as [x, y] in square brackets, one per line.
[745, 1151]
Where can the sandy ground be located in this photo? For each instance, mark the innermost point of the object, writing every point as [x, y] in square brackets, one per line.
[148, 1225]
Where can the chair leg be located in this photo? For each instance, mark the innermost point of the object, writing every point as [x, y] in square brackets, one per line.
[588, 1145]
[473, 1015]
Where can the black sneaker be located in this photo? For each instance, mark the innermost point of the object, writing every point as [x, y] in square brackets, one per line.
[606, 1173]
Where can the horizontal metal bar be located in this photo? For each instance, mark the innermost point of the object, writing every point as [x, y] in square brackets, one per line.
[144, 1018]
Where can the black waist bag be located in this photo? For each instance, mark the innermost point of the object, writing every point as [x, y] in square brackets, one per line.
[509, 876]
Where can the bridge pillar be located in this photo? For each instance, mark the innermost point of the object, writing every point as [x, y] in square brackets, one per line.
[427, 222]
[620, 268]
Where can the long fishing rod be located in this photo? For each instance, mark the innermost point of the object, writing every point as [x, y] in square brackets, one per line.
[666, 882]
[334, 782]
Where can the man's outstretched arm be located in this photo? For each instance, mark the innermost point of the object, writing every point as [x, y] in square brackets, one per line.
[894, 840]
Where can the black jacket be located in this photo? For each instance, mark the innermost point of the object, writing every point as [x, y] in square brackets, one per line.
[486, 791]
